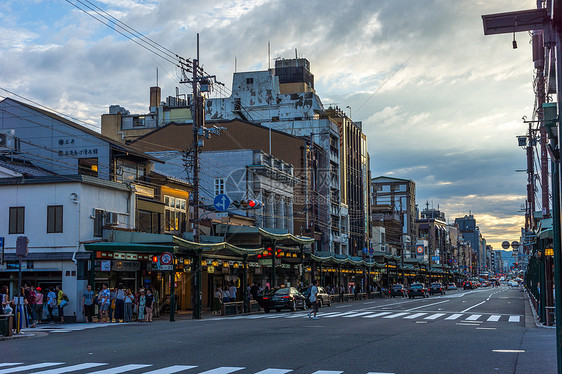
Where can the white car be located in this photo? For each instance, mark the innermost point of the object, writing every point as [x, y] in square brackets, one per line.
[513, 283]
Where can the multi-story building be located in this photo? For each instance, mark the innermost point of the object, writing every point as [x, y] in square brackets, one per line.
[284, 99]
[471, 232]
[434, 232]
[393, 200]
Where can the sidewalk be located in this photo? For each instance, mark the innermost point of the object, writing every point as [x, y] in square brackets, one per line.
[538, 344]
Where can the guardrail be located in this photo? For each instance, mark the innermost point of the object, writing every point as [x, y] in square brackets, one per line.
[237, 307]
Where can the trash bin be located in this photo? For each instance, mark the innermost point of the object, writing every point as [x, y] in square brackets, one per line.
[6, 324]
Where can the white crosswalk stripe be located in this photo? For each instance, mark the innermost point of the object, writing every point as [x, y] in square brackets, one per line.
[222, 370]
[274, 371]
[68, 369]
[453, 317]
[473, 317]
[493, 318]
[377, 314]
[415, 315]
[171, 369]
[395, 315]
[121, 369]
[29, 367]
[514, 318]
[434, 316]
[357, 314]
[339, 314]
[327, 372]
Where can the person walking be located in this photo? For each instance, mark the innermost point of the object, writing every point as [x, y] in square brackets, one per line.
[128, 306]
[29, 293]
[104, 296]
[217, 300]
[38, 305]
[51, 303]
[232, 291]
[112, 292]
[313, 299]
[148, 305]
[88, 304]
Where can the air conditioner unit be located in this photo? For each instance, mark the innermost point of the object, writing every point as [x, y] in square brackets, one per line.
[111, 218]
[8, 141]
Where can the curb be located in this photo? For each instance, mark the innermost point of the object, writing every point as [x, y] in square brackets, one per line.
[530, 306]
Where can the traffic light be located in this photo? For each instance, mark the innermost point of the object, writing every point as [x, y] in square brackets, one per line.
[155, 262]
[250, 204]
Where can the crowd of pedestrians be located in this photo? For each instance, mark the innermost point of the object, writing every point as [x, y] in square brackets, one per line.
[226, 294]
[118, 305]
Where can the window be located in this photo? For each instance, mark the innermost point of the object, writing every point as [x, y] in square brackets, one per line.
[176, 214]
[249, 80]
[98, 223]
[88, 166]
[219, 186]
[149, 222]
[54, 218]
[17, 220]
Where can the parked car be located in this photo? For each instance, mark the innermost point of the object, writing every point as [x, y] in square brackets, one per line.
[417, 289]
[283, 298]
[436, 287]
[513, 283]
[398, 290]
[451, 286]
[323, 297]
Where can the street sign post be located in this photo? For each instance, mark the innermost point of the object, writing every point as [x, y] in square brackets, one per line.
[221, 202]
[2, 249]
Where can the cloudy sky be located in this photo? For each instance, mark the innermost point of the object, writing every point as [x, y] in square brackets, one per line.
[441, 103]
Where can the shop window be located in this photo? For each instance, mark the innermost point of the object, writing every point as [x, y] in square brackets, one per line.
[54, 218]
[176, 214]
[17, 220]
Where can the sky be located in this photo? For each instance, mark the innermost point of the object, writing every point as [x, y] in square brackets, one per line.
[441, 104]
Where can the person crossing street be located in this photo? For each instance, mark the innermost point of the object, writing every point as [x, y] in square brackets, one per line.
[314, 299]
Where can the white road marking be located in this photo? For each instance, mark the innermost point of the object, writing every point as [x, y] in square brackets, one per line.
[357, 314]
[485, 328]
[171, 369]
[68, 369]
[10, 363]
[378, 372]
[416, 315]
[327, 372]
[514, 319]
[509, 350]
[453, 317]
[274, 371]
[395, 315]
[426, 305]
[435, 316]
[339, 314]
[377, 315]
[222, 370]
[474, 306]
[120, 369]
[30, 367]
[473, 317]
[494, 318]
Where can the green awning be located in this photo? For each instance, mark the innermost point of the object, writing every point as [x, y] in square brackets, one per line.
[130, 247]
[291, 237]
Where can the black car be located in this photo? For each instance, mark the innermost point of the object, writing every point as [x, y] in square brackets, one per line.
[436, 288]
[322, 296]
[417, 289]
[283, 298]
[398, 290]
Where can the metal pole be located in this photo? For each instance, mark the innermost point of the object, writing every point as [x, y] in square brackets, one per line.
[555, 166]
[245, 283]
[197, 289]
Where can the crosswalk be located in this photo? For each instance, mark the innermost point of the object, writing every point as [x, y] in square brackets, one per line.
[372, 314]
[105, 368]
[69, 327]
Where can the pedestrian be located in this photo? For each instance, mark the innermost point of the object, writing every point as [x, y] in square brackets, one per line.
[225, 298]
[142, 304]
[112, 292]
[60, 294]
[88, 303]
[4, 300]
[232, 291]
[128, 306]
[313, 299]
[255, 290]
[119, 303]
[38, 305]
[217, 300]
[149, 304]
[30, 301]
[51, 303]
[104, 303]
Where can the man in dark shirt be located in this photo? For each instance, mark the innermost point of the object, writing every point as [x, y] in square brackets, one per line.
[88, 303]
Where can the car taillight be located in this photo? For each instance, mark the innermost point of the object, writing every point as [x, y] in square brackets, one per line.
[265, 298]
[286, 297]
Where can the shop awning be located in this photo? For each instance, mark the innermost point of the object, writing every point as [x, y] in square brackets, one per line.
[344, 260]
[301, 240]
[130, 247]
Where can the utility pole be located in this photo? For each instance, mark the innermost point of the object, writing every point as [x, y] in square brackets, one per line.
[530, 180]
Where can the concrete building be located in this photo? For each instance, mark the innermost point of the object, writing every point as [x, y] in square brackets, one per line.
[471, 232]
[395, 199]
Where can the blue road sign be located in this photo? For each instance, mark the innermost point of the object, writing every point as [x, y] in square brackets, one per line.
[221, 202]
[1, 241]
[365, 250]
[371, 251]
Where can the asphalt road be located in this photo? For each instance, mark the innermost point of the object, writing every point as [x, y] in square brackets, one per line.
[478, 331]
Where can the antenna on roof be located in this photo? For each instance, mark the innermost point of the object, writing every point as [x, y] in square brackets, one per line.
[268, 55]
[296, 58]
